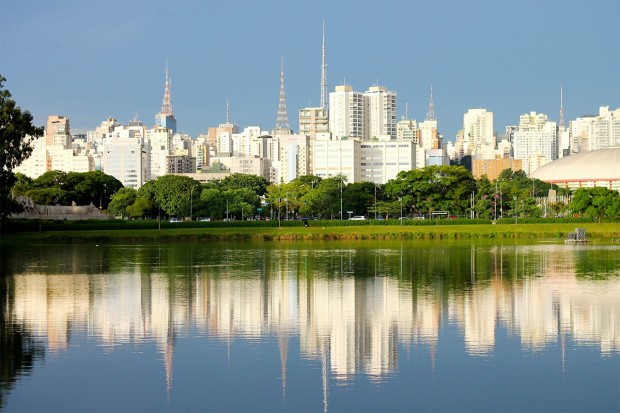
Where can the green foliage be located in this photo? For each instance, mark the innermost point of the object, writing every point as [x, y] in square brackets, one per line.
[596, 203]
[16, 130]
[121, 200]
[49, 196]
[174, 193]
[255, 183]
[82, 188]
[140, 208]
[434, 188]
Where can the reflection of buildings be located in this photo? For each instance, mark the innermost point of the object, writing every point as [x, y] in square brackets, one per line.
[353, 324]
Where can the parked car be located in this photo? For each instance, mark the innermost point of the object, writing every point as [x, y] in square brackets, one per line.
[204, 219]
[358, 218]
[172, 220]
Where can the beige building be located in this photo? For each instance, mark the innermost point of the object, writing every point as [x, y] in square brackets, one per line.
[313, 121]
[57, 132]
[492, 168]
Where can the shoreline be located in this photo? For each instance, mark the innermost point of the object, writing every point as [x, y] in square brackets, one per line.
[559, 231]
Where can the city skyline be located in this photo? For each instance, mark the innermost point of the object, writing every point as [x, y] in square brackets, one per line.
[93, 61]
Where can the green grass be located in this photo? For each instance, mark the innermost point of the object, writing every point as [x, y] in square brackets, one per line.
[79, 233]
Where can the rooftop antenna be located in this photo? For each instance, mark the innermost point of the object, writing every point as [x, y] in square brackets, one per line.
[324, 100]
[561, 108]
[227, 110]
[166, 106]
[407, 111]
[282, 120]
[431, 107]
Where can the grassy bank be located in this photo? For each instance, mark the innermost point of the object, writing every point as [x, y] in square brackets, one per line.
[316, 231]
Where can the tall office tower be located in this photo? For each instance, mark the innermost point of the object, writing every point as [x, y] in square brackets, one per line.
[282, 120]
[381, 115]
[57, 132]
[165, 118]
[324, 98]
[347, 110]
[535, 141]
[478, 137]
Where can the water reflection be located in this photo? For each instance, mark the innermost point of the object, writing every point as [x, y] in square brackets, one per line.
[351, 308]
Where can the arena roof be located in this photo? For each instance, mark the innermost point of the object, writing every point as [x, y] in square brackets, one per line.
[587, 169]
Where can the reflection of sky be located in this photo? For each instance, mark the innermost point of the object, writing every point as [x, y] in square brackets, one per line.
[358, 323]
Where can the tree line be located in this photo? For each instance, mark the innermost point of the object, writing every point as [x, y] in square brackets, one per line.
[434, 190]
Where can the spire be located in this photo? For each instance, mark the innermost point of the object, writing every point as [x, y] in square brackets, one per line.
[166, 106]
[561, 109]
[324, 100]
[431, 107]
[227, 110]
[282, 121]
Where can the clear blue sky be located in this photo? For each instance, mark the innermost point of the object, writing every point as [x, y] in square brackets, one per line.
[90, 60]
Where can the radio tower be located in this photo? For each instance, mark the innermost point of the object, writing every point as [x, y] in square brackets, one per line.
[282, 121]
[166, 106]
[431, 107]
[561, 109]
[324, 100]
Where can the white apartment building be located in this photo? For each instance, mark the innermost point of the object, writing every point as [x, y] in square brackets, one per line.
[160, 140]
[347, 111]
[68, 160]
[383, 160]
[381, 112]
[38, 162]
[427, 135]
[127, 159]
[337, 157]
[295, 158]
[478, 134]
[535, 141]
[590, 133]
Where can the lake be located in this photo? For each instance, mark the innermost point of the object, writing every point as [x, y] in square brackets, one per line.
[467, 325]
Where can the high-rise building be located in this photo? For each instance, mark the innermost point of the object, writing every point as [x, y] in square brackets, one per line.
[407, 129]
[535, 141]
[589, 133]
[381, 113]
[313, 121]
[478, 134]
[165, 118]
[347, 110]
[57, 132]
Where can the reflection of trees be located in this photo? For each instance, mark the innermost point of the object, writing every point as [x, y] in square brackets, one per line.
[18, 349]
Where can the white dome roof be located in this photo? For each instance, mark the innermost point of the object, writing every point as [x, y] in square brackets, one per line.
[599, 165]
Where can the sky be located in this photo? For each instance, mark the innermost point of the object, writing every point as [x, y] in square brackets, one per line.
[90, 60]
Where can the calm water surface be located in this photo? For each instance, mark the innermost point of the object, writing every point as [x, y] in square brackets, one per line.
[339, 326]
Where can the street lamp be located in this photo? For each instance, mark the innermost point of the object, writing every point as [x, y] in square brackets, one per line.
[191, 193]
[401, 210]
[341, 217]
[375, 200]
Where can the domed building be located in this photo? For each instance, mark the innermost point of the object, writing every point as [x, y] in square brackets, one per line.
[600, 168]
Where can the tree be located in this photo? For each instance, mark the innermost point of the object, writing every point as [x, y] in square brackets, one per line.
[121, 200]
[173, 194]
[255, 183]
[434, 188]
[16, 131]
[140, 208]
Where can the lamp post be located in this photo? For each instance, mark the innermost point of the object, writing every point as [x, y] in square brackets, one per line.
[191, 194]
[401, 210]
[375, 200]
[341, 217]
